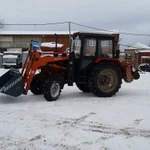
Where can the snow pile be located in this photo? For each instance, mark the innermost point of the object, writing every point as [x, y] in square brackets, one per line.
[51, 44]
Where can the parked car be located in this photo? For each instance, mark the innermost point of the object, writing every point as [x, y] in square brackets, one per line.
[12, 59]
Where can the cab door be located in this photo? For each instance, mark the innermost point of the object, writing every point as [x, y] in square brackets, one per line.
[89, 52]
[87, 56]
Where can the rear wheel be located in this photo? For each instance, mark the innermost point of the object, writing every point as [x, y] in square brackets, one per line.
[35, 85]
[52, 89]
[105, 80]
[83, 87]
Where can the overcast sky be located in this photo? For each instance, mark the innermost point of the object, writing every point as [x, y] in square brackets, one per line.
[123, 15]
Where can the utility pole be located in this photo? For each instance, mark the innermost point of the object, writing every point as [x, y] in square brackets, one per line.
[34, 27]
[69, 23]
[1, 24]
[137, 58]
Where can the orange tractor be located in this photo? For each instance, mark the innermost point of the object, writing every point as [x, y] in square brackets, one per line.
[92, 64]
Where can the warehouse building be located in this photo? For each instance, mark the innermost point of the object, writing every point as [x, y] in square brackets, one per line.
[22, 39]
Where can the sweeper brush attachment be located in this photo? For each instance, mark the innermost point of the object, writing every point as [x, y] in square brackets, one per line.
[11, 83]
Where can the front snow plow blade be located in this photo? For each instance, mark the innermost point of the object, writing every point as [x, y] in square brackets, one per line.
[11, 83]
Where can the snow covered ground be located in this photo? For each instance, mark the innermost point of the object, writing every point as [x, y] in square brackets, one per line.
[78, 121]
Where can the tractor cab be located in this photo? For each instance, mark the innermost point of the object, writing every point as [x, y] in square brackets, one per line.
[89, 49]
[91, 45]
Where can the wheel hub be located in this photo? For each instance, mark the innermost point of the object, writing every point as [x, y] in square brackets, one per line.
[104, 80]
[107, 80]
[55, 88]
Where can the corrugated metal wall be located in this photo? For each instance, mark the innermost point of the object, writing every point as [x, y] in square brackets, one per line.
[18, 41]
[23, 41]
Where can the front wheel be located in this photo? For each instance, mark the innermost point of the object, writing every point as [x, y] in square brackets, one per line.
[52, 89]
[35, 86]
[105, 80]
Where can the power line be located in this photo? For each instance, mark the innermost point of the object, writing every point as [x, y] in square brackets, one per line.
[125, 33]
[137, 48]
[125, 45]
[90, 27]
[134, 34]
[74, 23]
[28, 24]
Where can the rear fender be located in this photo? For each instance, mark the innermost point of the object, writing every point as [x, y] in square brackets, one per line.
[114, 61]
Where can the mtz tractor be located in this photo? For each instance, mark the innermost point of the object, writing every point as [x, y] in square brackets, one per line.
[92, 64]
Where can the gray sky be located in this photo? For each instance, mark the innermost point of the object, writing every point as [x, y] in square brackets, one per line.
[122, 15]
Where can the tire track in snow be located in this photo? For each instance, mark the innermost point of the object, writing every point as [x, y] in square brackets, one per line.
[81, 123]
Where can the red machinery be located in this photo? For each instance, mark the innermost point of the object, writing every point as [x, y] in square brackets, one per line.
[92, 64]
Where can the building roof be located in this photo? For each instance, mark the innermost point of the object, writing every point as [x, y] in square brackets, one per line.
[35, 32]
[3, 32]
[139, 46]
[142, 51]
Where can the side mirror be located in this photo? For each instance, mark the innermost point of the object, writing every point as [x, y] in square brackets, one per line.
[117, 53]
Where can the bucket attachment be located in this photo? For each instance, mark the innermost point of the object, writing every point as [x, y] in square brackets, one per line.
[11, 83]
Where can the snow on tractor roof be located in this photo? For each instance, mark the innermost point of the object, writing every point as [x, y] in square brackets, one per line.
[99, 32]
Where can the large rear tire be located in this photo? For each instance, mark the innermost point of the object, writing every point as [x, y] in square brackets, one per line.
[83, 87]
[105, 80]
[35, 85]
[52, 88]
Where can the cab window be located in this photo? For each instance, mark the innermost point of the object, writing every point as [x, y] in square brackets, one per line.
[77, 46]
[90, 47]
[105, 48]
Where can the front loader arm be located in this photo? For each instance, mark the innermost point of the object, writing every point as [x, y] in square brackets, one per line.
[14, 83]
[34, 61]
